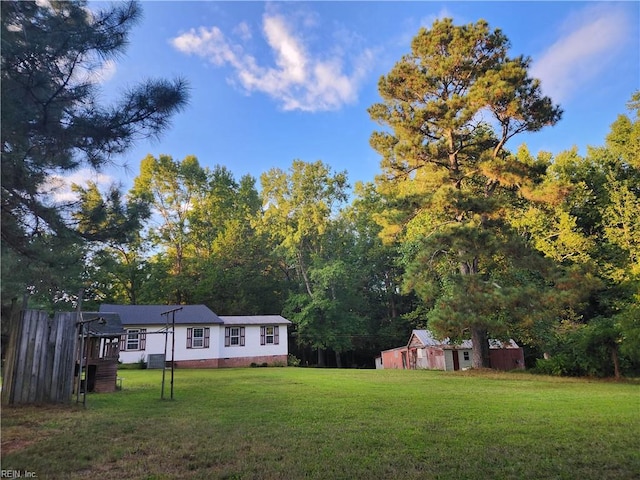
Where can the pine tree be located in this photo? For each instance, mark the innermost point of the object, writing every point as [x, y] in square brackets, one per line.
[52, 121]
[449, 108]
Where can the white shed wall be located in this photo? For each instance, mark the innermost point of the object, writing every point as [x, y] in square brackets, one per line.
[448, 358]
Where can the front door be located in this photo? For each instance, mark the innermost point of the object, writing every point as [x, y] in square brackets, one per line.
[456, 360]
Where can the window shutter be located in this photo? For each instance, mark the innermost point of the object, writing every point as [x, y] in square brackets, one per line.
[242, 336]
[262, 335]
[227, 336]
[276, 335]
[123, 342]
[189, 337]
[143, 338]
[206, 338]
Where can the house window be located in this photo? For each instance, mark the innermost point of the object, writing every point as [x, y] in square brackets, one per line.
[269, 335]
[197, 337]
[234, 336]
[134, 339]
[465, 355]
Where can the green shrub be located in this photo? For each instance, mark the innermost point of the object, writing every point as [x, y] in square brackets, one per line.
[558, 365]
[293, 361]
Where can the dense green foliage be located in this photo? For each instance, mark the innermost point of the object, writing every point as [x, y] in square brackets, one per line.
[315, 423]
[457, 233]
[450, 185]
[53, 123]
[600, 335]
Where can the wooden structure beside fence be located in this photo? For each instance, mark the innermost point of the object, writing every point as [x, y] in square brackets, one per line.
[102, 332]
[39, 365]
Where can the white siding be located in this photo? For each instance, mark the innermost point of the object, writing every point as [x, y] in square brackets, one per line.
[448, 358]
[154, 344]
[464, 364]
[252, 347]
[216, 349]
[184, 353]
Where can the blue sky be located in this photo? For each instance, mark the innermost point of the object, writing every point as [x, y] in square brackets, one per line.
[274, 82]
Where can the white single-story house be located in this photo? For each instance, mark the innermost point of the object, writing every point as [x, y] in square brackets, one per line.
[201, 338]
[424, 351]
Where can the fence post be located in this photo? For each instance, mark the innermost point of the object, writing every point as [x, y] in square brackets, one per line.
[10, 357]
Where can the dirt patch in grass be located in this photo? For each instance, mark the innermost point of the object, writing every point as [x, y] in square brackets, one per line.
[23, 426]
[9, 446]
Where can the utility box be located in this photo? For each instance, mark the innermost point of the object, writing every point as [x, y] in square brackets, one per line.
[155, 361]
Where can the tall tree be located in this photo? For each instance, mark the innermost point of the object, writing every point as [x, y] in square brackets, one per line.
[172, 187]
[301, 206]
[594, 231]
[377, 275]
[114, 226]
[211, 210]
[447, 176]
[236, 269]
[52, 120]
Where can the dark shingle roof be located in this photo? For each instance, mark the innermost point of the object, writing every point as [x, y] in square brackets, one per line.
[99, 324]
[152, 314]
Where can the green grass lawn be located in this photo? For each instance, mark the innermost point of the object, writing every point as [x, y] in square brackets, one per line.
[295, 423]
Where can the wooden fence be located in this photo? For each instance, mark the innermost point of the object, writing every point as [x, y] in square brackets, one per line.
[40, 360]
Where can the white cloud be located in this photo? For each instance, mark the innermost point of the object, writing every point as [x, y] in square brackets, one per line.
[91, 71]
[587, 44]
[290, 54]
[427, 22]
[58, 187]
[103, 73]
[298, 79]
[243, 31]
[209, 43]
[44, 4]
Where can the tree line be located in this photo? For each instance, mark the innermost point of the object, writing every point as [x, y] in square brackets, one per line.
[458, 233]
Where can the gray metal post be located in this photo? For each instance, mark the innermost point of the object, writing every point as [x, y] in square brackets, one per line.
[173, 345]
[80, 360]
[164, 364]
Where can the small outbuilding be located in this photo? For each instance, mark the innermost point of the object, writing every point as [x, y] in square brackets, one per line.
[100, 335]
[424, 351]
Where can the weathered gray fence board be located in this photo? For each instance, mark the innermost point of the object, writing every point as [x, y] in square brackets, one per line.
[54, 388]
[65, 368]
[8, 380]
[36, 389]
[23, 356]
[49, 384]
[40, 359]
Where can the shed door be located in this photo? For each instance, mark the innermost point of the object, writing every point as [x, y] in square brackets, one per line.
[456, 360]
